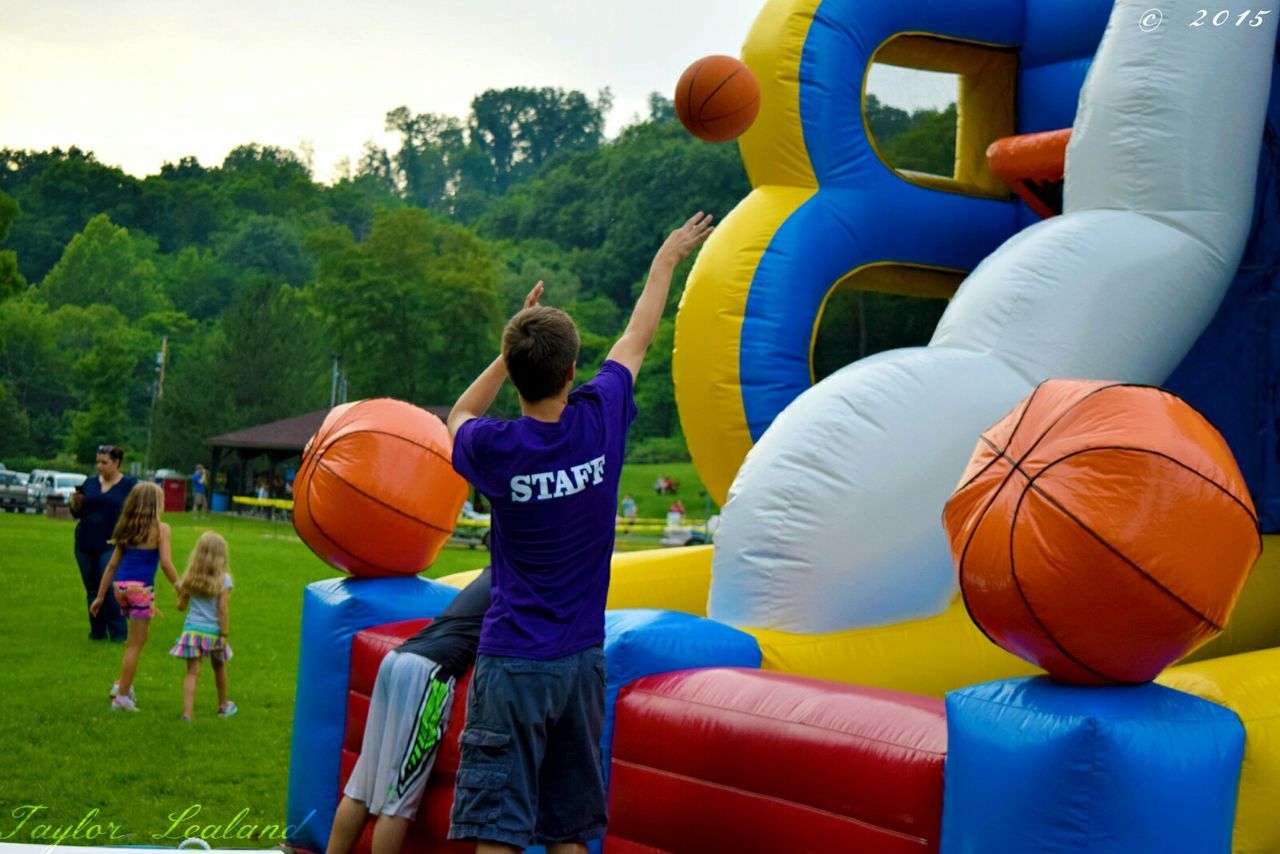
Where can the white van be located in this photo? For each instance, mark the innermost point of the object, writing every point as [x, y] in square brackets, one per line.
[44, 483]
[35, 489]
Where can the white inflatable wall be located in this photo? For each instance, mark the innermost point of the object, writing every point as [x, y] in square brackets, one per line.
[833, 521]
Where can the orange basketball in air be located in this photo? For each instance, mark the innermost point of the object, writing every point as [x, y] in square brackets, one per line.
[717, 98]
[376, 494]
[1102, 531]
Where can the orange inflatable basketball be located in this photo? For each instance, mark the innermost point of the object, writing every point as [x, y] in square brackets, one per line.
[1102, 531]
[376, 493]
[717, 98]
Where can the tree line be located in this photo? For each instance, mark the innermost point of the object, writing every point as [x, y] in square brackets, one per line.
[250, 274]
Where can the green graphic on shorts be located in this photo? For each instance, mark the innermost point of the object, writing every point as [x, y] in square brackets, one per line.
[428, 735]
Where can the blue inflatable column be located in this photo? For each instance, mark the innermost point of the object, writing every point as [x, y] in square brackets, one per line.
[641, 642]
[332, 613]
[1037, 766]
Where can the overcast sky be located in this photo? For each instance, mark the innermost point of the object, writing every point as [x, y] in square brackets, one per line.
[141, 82]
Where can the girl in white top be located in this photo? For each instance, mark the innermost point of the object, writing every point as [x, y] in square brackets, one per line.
[206, 587]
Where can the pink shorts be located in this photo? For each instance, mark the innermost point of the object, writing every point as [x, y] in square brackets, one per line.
[137, 600]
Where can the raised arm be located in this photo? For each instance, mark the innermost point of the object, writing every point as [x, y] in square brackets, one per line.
[629, 350]
[479, 396]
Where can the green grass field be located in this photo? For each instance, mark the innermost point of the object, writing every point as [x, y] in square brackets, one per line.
[638, 481]
[69, 754]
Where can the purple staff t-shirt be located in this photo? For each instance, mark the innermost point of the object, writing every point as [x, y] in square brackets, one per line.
[554, 491]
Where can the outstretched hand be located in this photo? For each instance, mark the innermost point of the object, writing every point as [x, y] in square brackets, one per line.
[534, 295]
[686, 238]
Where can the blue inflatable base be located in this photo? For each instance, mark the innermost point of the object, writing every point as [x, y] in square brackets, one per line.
[1033, 765]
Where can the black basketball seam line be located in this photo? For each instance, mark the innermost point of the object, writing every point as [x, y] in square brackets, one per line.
[1017, 464]
[1031, 484]
[1039, 489]
[713, 92]
[688, 98]
[335, 425]
[317, 464]
[1115, 551]
[964, 598]
[318, 447]
[404, 439]
[1017, 585]
[330, 537]
[994, 495]
[960, 570]
[319, 437]
[983, 437]
[390, 507]
[732, 113]
[347, 549]
[314, 458]
[1253, 516]
[964, 553]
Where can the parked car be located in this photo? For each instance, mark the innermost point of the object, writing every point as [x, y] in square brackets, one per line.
[677, 533]
[13, 492]
[35, 489]
[45, 483]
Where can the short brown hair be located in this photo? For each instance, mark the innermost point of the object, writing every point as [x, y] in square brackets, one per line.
[540, 347]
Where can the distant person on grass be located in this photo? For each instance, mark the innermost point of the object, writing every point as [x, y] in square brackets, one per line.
[536, 706]
[97, 504]
[142, 543]
[408, 715]
[199, 490]
[204, 594]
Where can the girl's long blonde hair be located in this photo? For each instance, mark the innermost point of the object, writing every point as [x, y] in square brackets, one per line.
[140, 517]
[207, 567]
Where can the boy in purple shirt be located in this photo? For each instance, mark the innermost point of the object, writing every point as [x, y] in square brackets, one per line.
[530, 771]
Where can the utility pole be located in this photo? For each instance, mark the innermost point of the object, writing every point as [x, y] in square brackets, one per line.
[157, 391]
[164, 359]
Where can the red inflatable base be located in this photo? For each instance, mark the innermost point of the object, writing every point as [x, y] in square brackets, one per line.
[752, 761]
[725, 759]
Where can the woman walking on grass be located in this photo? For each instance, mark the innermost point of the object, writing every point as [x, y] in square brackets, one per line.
[142, 543]
[206, 587]
[97, 503]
